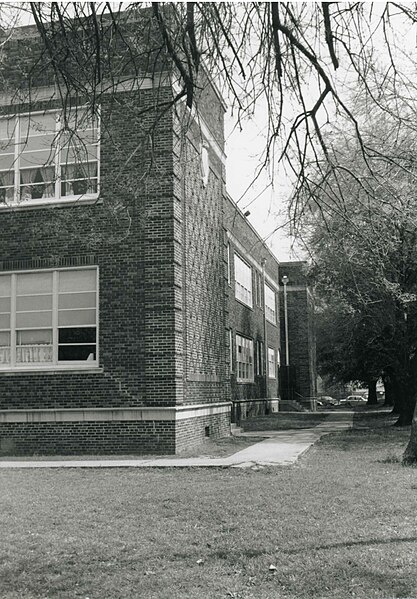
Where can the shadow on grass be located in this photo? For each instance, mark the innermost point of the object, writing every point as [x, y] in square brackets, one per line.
[233, 555]
[359, 543]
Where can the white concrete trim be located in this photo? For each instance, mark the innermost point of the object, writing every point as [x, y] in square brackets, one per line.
[51, 92]
[173, 413]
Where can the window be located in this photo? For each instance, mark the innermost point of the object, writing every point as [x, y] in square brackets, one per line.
[243, 281]
[270, 304]
[272, 373]
[258, 288]
[259, 358]
[244, 359]
[230, 351]
[41, 161]
[48, 318]
[229, 266]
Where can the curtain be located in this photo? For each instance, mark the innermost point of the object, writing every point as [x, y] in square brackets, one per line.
[7, 180]
[37, 175]
[4, 355]
[33, 353]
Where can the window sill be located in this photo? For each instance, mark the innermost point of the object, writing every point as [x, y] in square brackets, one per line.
[52, 370]
[244, 304]
[53, 203]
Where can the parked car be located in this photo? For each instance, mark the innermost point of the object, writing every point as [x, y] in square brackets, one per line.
[354, 400]
[327, 400]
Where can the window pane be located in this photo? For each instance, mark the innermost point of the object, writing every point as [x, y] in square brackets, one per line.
[77, 335]
[39, 282]
[36, 337]
[77, 154]
[76, 352]
[34, 347]
[5, 304]
[6, 162]
[33, 319]
[77, 280]
[37, 125]
[7, 129]
[77, 300]
[4, 321]
[76, 317]
[243, 281]
[80, 137]
[36, 158]
[34, 354]
[34, 302]
[4, 348]
[5, 285]
[46, 143]
[4, 338]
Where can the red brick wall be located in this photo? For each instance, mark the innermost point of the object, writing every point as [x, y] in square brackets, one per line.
[156, 236]
[84, 438]
[301, 335]
[242, 319]
[200, 241]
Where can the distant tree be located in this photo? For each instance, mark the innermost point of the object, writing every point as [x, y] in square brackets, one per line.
[362, 236]
[349, 345]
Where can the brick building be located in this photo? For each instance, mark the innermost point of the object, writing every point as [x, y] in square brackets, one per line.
[252, 317]
[131, 287]
[298, 369]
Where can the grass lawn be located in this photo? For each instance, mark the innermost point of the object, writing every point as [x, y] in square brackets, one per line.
[342, 523]
[284, 421]
[209, 448]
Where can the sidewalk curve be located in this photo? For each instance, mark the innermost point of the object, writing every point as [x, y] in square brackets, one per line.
[279, 448]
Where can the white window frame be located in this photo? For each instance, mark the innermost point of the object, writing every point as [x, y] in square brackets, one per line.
[272, 363]
[55, 364]
[260, 357]
[243, 281]
[56, 163]
[229, 264]
[230, 350]
[258, 288]
[270, 304]
[244, 359]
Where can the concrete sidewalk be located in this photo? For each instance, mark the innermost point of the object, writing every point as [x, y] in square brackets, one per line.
[279, 448]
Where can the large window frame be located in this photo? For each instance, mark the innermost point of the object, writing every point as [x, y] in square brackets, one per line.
[244, 359]
[270, 304]
[243, 281]
[42, 162]
[272, 363]
[48, 326]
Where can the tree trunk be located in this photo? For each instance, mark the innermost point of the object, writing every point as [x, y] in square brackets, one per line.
[389, 392]
[410, 453]
[372, 396]
[406, 401]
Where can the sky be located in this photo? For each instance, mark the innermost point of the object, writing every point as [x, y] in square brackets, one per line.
[266, 198]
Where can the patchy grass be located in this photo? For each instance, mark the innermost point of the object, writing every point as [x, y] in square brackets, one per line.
[342, 523]
[210, 448]
[284, 421]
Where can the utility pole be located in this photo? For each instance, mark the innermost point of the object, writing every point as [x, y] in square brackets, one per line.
[287, 347]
